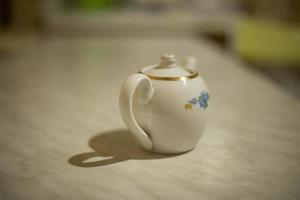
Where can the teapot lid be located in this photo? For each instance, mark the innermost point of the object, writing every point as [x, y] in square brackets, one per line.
[168, 69]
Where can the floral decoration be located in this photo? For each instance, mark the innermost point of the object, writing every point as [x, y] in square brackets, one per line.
[201, 101]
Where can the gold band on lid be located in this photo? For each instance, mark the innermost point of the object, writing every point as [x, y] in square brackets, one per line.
[175, 78]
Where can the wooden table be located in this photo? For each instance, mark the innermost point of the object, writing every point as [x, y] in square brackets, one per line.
[62, 137]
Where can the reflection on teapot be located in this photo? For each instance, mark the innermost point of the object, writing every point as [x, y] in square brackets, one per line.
[164, 106]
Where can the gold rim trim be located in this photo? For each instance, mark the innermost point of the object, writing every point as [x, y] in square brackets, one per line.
[176, 78]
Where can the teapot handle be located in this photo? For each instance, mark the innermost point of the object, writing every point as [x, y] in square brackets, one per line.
[144, 84]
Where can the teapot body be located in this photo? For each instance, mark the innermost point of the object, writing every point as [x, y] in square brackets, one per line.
[164, 106]
[175, 116]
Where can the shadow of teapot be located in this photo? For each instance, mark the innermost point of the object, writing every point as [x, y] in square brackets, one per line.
[111, 147]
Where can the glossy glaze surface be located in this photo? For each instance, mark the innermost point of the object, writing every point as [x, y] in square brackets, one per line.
[172, 128]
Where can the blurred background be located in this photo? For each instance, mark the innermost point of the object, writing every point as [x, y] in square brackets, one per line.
[263, 33]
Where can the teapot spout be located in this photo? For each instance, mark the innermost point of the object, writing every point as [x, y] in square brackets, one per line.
[190, 63]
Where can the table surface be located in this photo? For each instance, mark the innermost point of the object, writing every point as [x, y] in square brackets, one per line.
[62, 137]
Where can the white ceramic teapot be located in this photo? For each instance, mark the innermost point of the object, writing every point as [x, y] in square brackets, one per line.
[164, 106]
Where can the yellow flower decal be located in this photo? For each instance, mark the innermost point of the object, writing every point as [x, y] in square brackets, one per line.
[188, 106]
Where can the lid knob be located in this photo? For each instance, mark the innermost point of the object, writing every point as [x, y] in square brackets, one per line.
[167, 61]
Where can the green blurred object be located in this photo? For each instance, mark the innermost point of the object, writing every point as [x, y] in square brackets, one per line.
[89, 5]
[95, 4]
[268, 42]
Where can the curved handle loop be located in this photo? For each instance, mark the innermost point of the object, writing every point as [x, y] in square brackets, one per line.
[126, 101]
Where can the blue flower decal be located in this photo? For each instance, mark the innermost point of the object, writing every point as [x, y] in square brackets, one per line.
[193, 101]
[201, 100]
[204, 96]
[203, 104]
